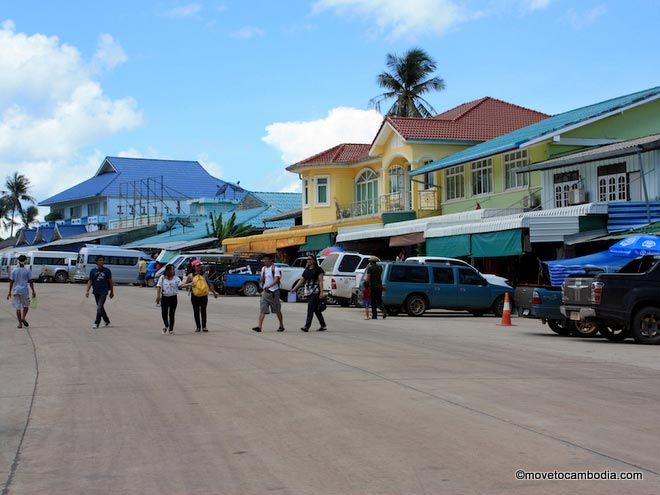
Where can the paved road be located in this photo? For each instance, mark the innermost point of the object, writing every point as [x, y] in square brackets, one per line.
[440, 404]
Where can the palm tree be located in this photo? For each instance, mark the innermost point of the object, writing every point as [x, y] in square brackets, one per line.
[5, 210]
[408, 79]
[18, 190]
[226, 230]
[29, 216]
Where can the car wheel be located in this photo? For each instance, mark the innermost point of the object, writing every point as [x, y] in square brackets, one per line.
[343, 302]
[586, 328]
[330, 299]
[615, 333]
[61, 277]
[560, 327]
[393, 310]
[415, 305]
[250, 289]
[498, 307]
[646, 326]
[151, 282]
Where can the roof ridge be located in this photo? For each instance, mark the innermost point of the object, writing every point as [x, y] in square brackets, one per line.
[151, 159]
[654, 88]
[518, 106]
[470, 105]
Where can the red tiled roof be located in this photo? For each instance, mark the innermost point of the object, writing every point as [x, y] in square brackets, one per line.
[342, 153]
[478, 120]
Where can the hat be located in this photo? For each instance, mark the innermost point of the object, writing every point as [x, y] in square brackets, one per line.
[195, 263]
[374, 259]
[22, 258]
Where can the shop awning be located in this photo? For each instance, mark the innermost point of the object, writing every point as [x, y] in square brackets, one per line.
[290, 241]
[280, 238]
[495, 244]
[407, 239]
[317, 242]
[450, 247]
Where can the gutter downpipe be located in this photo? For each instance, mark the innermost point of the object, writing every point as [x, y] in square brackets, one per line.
[646, 195]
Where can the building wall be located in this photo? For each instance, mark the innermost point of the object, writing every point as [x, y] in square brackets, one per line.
[340, 192]
[588, 173]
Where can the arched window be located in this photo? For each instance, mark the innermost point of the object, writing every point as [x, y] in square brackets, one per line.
[366, 192]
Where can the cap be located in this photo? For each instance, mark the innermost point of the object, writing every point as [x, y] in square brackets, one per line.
[195, 263]
[374, 259]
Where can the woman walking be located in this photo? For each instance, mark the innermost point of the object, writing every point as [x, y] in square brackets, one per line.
[200, 287]
[166, 291]
[312, 278]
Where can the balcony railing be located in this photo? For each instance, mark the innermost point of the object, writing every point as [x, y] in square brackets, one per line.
[428, 199]
[397, 201]
[134, 221]
[358, 208]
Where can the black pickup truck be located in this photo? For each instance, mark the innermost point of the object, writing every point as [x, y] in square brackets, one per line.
[620, 304]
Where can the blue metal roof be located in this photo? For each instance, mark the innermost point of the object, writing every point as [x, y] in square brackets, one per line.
[553, 124]
[181, 179]
[66, 231]
[46, 233]
[280, 200]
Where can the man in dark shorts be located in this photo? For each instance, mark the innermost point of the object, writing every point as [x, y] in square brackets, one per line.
[270, 295]
[374, 275]
[100, 281]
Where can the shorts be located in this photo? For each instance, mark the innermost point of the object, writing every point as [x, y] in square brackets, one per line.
[366, 303]
[270, 300]
[142, 277]
[20, 301]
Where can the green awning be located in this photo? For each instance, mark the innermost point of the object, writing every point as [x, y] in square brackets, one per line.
[316, 242]
[493, 244]
[450, 247]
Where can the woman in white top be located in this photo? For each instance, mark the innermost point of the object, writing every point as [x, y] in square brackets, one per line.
[166, 291]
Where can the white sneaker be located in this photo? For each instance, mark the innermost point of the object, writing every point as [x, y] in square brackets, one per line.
[95, 326]
[171, 332]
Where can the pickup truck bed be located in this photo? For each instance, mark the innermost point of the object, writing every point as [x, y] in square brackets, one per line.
[542, 302]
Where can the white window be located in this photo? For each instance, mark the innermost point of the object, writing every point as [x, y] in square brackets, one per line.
[482, 177]
[322, 191]
[612, 182]
[455, 183]
[512, 161]
[92, 209]
[563, 183]
[366, 192]
[75, 212]
[396, 179]
[305, 192]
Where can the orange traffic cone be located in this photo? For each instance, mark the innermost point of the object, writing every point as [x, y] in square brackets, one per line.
[506, 312]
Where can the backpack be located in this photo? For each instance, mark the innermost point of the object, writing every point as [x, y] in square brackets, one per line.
[199, 286]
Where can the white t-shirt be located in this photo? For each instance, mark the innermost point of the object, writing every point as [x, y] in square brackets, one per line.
[268, 277]
[169, 287]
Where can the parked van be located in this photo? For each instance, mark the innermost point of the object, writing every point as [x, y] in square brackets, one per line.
[340, 270]
[182, 262]
[48, 265]
[5, 261]
[124, 263]
[414, 288]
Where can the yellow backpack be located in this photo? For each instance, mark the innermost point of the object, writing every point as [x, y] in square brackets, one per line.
[199, 286]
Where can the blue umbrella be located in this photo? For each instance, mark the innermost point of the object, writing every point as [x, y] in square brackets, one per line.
[637, 245]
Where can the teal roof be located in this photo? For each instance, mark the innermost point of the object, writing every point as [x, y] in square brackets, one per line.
[551, 125]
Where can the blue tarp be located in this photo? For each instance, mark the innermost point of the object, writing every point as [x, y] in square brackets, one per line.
[560, 269]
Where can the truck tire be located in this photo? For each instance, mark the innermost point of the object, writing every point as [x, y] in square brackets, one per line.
[615, 333]
[586, 328]
[416, 305]
[151, 282]
[498, 307]
[330, 299]
[61, 277]
[560, 327]
[343, 302]
[646, 326]
[250, 289]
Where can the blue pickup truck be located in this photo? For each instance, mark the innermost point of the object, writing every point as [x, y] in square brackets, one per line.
[414, 288]
[542, 302]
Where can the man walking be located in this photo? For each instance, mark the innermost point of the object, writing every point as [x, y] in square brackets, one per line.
[270, 295]
[374, 276]
[100, 281]
[20, 278]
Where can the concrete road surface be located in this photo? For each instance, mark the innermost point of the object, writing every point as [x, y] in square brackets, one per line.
[444, 404]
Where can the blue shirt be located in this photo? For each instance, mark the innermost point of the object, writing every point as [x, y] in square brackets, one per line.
[100, 280]
[21, 277]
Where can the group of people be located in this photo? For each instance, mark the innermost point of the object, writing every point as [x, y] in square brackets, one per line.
[199, 286]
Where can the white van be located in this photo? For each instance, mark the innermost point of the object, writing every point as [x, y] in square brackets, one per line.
[48, 265]
[123, 263]
[339, 281]
[5, 261]
[182, 262]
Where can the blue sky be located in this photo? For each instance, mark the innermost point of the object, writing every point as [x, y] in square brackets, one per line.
[247, 87]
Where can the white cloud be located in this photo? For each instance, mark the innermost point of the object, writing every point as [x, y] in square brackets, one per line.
[248, 32]
[538, 4]
[299, 140]
[184, 10]
[403, 18]
[109, 53]
[212, 167]
[580, 20]
[51, 108]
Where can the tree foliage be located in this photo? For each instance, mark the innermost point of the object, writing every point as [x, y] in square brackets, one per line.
[17, 192]
[226, 230]
[409, 77]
